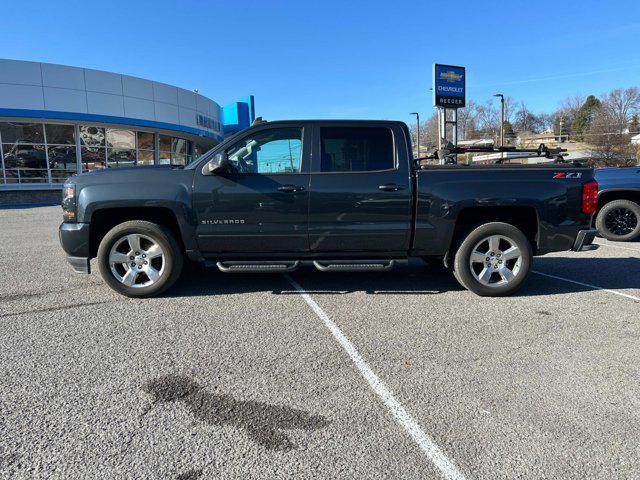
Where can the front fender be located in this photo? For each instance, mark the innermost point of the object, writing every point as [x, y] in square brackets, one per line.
[172, 196]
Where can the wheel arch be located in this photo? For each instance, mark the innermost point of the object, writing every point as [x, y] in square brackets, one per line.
[104, 219]
[607, 196]
[525, 218]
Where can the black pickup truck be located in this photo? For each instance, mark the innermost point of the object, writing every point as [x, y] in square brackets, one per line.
[338, 195]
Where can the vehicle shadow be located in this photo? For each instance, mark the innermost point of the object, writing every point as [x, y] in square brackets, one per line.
[414, 279]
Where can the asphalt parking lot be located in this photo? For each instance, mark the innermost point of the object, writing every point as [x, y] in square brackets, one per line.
[393, 375]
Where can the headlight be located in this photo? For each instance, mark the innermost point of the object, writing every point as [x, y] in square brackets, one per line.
[69, 206]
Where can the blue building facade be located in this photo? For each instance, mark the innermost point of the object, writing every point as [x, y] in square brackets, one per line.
[57, 120]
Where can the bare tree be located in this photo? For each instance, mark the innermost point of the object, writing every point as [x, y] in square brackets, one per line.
[428, 134]
[525, 120]
[488, 119]
[546, 121]
[430, 128]
[467, 127]
[610, 146]
[567, 112]
[621, 104]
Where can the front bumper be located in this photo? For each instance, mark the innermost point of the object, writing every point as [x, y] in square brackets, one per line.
[74, 238]
[584, 240]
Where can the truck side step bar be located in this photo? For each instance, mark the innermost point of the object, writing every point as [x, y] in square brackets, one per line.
[283, 266]
[354, 265]
[257, 266]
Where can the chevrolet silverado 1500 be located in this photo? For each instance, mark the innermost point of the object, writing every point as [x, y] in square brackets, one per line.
[338, 195]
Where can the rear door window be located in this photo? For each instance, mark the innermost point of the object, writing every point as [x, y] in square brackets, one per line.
[356, 149]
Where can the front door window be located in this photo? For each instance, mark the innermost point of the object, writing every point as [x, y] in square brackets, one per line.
[272, 151]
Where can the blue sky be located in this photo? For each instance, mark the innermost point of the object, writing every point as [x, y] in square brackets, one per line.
[339, 59]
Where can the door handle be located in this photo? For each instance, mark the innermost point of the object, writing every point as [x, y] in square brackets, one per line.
[291, 188]
[391, 187]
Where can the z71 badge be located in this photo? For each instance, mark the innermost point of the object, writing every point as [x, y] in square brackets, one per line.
[567, 175]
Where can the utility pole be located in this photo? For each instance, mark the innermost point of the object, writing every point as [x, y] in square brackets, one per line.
[501, 118]
[418, 130]
[560, 136]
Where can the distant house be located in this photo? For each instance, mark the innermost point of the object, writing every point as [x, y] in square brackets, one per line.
[635, 140]
[538, 138]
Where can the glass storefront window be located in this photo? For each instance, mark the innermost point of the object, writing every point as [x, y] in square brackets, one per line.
[25, 163]
[121, 138]
[92, 136]
[145, 141]
[47, 152]
[92, 158]
[145, 157]
[179, 145]
[21, 132]
[121, 157]
[178, 159]
[62, 163]
[60, 134]
[165, 158]
[164, 143]
[173, 150]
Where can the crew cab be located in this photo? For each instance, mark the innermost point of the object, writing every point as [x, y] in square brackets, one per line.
[618, 215]
[335, 195]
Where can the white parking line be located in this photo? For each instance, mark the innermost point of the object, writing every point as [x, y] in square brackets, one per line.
[404, 418]
[637, 250]
[595, 287]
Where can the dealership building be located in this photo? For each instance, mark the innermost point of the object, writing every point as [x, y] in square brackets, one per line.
[58, 120]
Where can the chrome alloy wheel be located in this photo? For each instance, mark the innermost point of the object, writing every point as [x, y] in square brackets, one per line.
[136, 260]
[495, 261]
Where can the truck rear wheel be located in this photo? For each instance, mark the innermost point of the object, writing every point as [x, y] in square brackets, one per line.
[619, 221]
[139, 258]
[493, 260]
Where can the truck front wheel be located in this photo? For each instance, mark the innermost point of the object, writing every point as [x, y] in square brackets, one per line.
[139, 258]
[493, 260]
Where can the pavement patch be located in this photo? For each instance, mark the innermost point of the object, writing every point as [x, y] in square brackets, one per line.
[264, 423]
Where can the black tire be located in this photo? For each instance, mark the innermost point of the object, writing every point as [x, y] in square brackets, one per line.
[463, 268]
[171, 261]
[619, 221]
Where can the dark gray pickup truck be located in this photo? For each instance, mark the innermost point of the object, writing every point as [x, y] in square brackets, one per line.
[338, 195]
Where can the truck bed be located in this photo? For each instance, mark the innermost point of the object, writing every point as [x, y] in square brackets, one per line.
[547, 195]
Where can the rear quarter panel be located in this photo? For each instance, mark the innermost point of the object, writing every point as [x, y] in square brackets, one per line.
[444, 192]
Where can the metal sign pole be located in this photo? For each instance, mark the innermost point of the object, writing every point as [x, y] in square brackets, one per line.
[441, 130]
[454, 137]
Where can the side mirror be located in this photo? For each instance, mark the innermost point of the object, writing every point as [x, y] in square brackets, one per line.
[218, 163]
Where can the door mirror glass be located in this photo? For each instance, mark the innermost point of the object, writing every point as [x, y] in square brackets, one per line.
[218, 163]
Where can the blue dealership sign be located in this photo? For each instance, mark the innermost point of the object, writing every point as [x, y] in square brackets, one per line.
[449, 86]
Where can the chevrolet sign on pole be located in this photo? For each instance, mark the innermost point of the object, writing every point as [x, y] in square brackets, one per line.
[448, 86]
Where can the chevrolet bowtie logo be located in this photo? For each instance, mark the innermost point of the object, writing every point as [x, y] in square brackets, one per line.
[450, 76]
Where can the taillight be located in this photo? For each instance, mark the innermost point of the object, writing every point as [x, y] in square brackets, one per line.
[590, 197]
